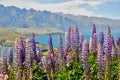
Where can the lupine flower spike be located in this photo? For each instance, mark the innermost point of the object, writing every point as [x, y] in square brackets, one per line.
[60, 51]
[85, 60]
[100, 58]
[108, 50]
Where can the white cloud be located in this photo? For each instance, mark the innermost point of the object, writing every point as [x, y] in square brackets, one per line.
[70, 7]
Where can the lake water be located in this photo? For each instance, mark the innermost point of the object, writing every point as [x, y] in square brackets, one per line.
[43, 39]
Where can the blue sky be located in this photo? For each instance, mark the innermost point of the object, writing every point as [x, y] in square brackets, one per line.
[98, 8]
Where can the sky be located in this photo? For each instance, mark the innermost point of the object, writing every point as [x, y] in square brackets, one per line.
[97, 8]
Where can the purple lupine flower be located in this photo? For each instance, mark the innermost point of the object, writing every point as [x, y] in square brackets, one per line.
[101, 37]
[72, 39]
[108, 43]
[67, 44]
[18, 60]
[85, 59]
[4, 62]
[108, 50]
[22, 49]
[76, 37]
[93, 30]
[28, 58]
[69, 34]
[68, 38]
[60, 50]
[52, 61]
[100, 59]
[76, 44]
[33, 45]
[10, 54]
[39, 56]
[50, 44]
[51, 54]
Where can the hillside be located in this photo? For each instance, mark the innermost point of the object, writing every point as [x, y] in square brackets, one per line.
[8, 36]
[45, 22]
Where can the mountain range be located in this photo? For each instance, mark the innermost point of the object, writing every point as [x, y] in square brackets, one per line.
[15, 18]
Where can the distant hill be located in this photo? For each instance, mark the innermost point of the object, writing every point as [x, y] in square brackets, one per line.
[15, 18]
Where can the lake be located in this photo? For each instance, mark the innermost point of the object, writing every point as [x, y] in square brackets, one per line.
[43, 39]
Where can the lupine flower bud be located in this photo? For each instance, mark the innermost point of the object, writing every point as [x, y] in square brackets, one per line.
[101, 37]
[100, 58]
[114, 49]
[85, 59]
